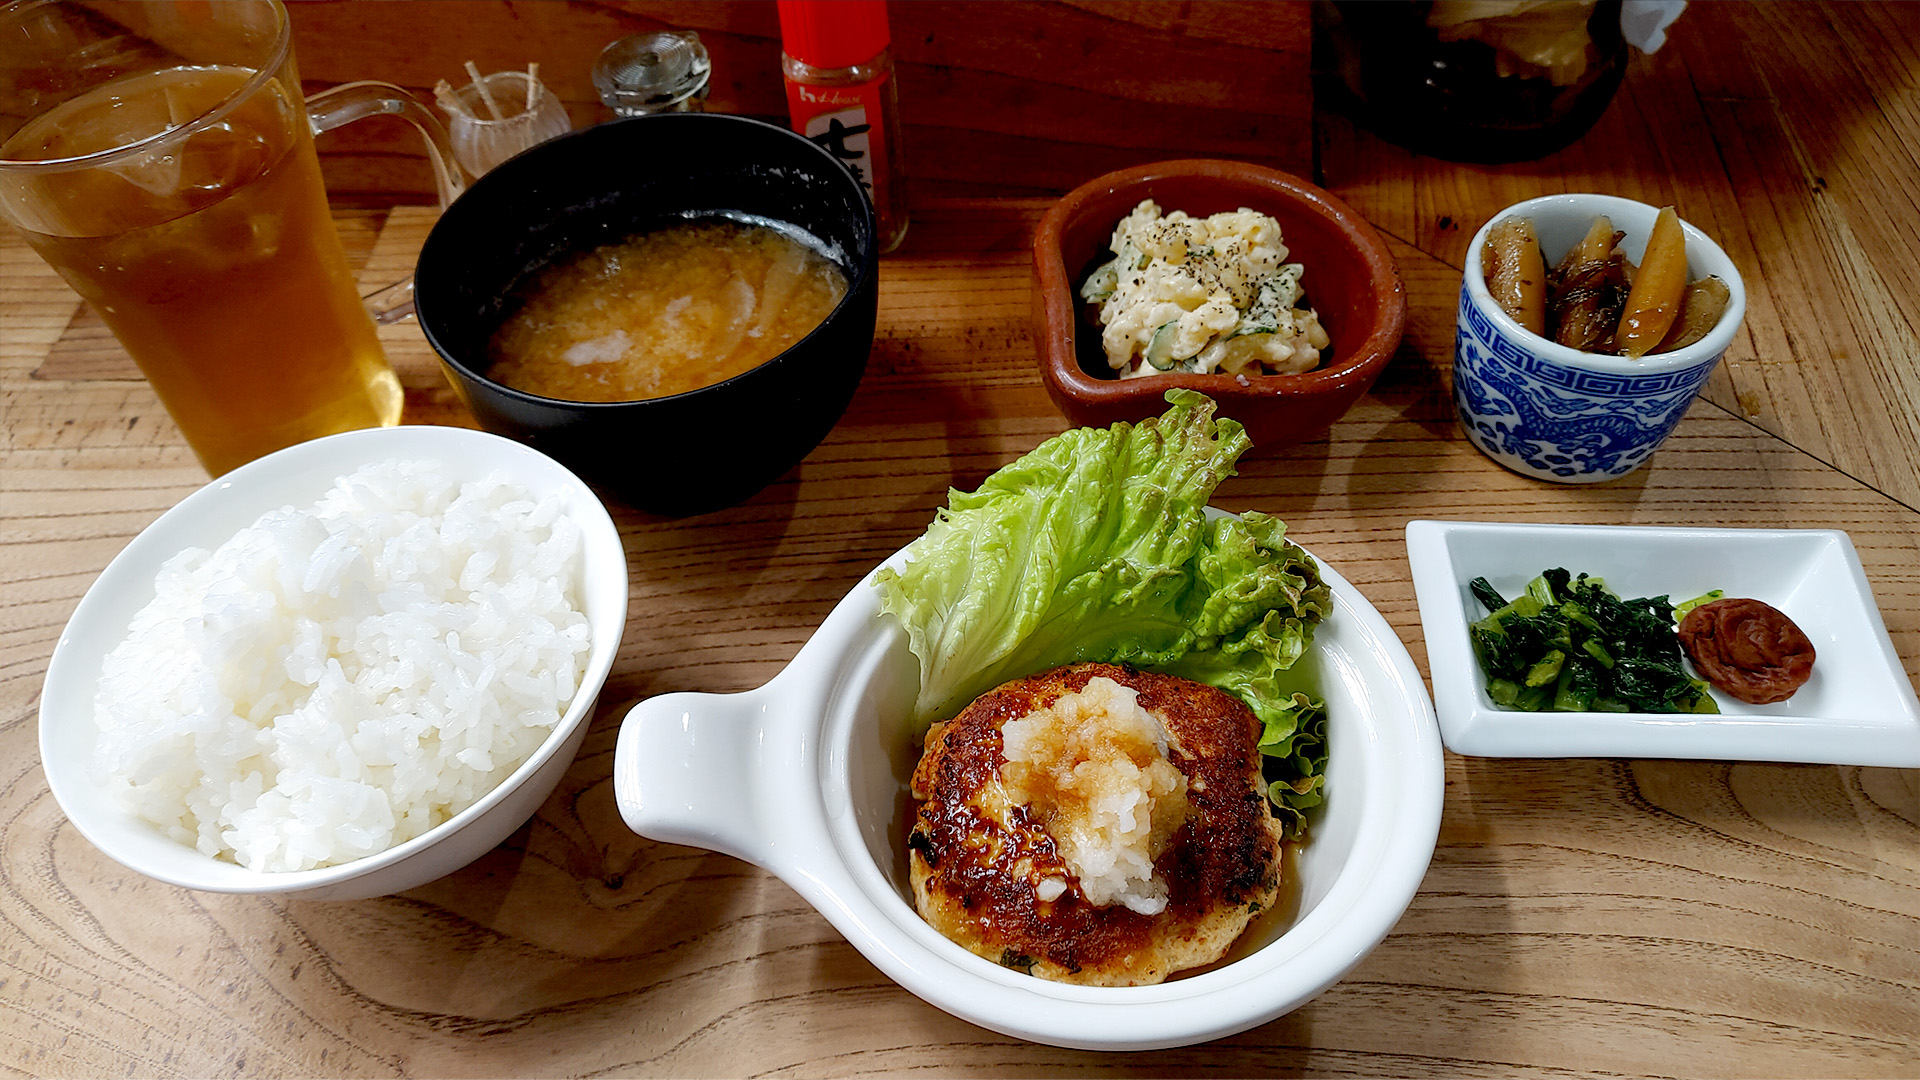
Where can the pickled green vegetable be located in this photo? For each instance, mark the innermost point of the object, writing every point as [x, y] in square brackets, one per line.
[1568, 644]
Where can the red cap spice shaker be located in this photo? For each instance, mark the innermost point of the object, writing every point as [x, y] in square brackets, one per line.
[839, 71]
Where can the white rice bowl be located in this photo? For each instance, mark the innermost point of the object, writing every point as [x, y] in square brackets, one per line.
[352, 698]
[336, 679]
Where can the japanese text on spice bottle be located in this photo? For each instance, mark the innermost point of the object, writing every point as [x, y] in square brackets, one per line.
[838, 66]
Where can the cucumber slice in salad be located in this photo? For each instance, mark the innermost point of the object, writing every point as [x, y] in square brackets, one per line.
[1160, 347]
[1271, 305]
[1101, 284]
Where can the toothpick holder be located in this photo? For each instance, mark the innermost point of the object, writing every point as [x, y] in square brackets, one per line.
[528, 114]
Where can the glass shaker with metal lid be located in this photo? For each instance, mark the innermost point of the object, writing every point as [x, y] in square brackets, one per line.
[653, 73]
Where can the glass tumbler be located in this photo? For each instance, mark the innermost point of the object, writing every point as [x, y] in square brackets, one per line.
[160, 157]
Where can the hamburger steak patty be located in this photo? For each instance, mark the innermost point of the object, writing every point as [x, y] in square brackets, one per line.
[981, 867]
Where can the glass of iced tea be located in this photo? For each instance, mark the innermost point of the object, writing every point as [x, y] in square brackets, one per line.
[160, 157]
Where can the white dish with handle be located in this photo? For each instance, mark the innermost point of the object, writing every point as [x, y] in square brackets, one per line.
[807, 777]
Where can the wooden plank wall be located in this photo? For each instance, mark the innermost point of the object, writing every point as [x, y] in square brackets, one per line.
[1013, 98]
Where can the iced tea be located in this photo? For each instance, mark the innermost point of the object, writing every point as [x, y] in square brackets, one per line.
[211, 255]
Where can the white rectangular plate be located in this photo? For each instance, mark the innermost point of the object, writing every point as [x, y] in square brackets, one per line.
[1857, 709]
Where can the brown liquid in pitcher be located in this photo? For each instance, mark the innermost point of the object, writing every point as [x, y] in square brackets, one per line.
[214, 261]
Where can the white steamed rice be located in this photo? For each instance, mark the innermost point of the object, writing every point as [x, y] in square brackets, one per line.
[336, 680]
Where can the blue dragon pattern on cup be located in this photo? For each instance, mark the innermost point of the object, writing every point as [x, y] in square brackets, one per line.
[1557, 422]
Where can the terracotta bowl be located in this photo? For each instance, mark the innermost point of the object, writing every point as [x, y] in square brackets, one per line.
[1350, 280]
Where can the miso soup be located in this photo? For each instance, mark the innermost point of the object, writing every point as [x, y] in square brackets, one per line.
[664, 312]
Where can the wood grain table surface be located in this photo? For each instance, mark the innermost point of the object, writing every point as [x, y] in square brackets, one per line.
[1590, 916]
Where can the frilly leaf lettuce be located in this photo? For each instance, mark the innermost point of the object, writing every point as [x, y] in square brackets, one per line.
[1097, 546]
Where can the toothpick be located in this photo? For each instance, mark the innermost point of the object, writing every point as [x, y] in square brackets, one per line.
[533, 82]
[486, 95]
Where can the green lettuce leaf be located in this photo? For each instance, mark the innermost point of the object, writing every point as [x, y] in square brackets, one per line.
[1097, 546]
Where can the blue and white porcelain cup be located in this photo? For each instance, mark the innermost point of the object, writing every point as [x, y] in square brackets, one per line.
[1551, 412]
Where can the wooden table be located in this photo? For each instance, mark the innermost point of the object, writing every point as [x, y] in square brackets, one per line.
[1593, 916]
